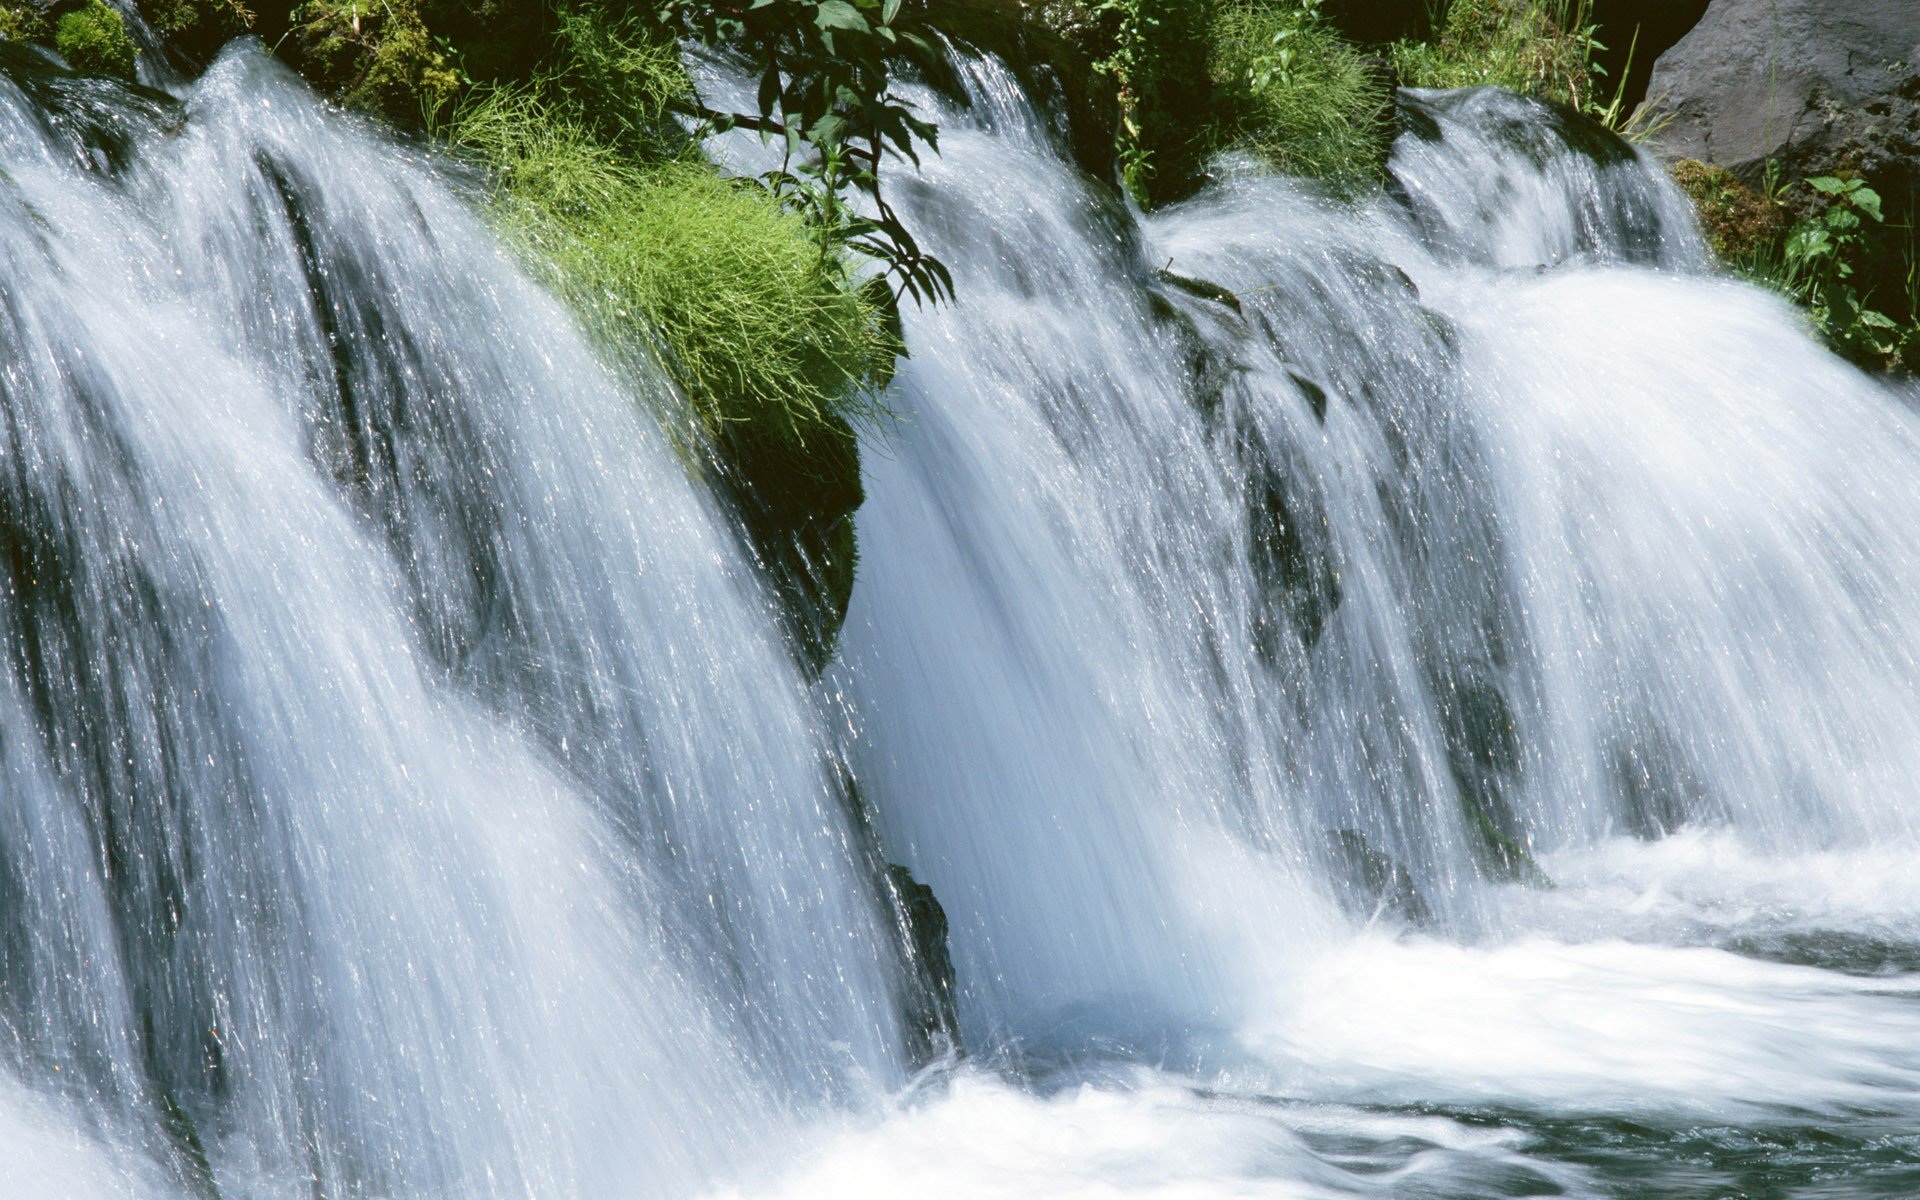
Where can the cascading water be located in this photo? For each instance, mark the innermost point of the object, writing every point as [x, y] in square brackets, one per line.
[1397, 698]
[406, 791]
[1471, 560]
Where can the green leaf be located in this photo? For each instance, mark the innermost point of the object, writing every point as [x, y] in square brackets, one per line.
[838, 14]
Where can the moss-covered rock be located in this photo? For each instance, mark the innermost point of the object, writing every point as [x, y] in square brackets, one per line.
[197, 28]
[1740, 224]
[374, 55]
[94, 40]
[778, 354]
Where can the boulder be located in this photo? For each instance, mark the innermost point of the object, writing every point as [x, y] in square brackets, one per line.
[1811, 86]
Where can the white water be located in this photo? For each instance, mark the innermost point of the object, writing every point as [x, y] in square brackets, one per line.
[1560, 460]
[407, 794]
[403, 779]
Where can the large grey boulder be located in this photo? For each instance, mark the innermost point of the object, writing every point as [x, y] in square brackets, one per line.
[1812, 85]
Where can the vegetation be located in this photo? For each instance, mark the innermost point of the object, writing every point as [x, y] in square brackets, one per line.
[1155, 53]
[1304, 99]
[21, 23]
[749, 293]
[1542, 48]
[758, 326]
[1740, 224]
[1823, 258]
[94, 39]
[375, 55]
[1832, 260]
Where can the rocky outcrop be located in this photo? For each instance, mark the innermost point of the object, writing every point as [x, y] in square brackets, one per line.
[1811, 86]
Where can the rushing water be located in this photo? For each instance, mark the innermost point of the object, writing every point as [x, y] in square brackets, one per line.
[1408, 697]
[405, 790]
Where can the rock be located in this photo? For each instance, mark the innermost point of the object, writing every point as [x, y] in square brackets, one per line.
[1634, 34]
[1808, 85]
[1368, 883]
[933, 1022]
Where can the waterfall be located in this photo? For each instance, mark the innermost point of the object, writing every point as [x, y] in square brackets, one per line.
[1428, 650]
[1401, 695]
[407, 792]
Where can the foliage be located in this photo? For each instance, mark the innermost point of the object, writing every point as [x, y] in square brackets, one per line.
[826, 71]
[375, 55]
[1156, 56]
[199, 27]
[1543, 48]
[753, 323]
[1307, 101]
[1822, 256]
[620, 78]
[94, 39]
[1741, 224]
[21, 23]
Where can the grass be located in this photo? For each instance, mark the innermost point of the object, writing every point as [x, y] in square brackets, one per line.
[753, 322]
[1301, 97]
[1542, 48]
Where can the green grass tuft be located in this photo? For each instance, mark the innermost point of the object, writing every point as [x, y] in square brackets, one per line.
[757, 327]
[94, 39]
[1542, 48]
[1303, 98]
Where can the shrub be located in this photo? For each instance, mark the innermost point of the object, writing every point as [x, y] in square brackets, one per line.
[1305, 100]
[1824, 256]
[1543, 48]
[199, 27]
[621, 79]
[94, 39]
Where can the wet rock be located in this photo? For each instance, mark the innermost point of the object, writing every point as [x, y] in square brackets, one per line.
[1368, 883]
[1483, 756]
[933, 1022]
[1299, 587]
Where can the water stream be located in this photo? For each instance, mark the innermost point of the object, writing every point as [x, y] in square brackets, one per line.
[1400, 697]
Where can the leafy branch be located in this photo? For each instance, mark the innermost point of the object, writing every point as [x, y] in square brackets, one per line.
[826, 72]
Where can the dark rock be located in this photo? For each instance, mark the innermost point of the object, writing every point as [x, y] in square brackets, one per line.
[1483, 755]
[797, 510]
[1289, 554]
[1635, 33]
[1368, 882]
[1201, 289]
[1808, 85]
[933, 1022]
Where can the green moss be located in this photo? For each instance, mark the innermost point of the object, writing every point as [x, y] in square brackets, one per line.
[1307, 101]
[1741, 224]
[21, 23]
[1539, 47]
[95, 40]
[198, 27]
[375, 55]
